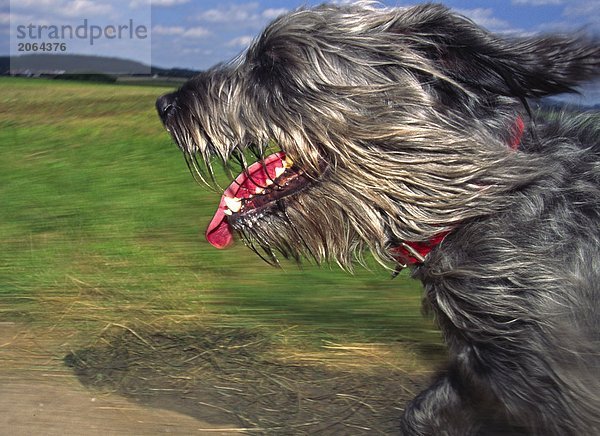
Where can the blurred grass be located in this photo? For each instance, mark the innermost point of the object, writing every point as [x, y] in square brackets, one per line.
[101, 223]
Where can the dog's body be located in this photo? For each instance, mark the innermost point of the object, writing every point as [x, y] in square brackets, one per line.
[400, 125]
[516, 297]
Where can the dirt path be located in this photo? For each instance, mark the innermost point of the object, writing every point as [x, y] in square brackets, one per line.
[38, 396]
[202, 380]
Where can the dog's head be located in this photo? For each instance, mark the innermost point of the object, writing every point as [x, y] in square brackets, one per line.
[367, 126]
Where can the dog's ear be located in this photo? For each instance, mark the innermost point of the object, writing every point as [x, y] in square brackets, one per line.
[272, 58]
[519, 67]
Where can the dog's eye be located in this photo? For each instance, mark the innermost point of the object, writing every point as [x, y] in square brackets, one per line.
[165, 106]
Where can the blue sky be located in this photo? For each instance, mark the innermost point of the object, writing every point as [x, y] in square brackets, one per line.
[197, 34]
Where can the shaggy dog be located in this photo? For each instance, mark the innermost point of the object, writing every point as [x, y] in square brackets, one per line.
[409, 133]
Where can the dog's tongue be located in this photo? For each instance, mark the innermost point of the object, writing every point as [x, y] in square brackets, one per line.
[219, 233]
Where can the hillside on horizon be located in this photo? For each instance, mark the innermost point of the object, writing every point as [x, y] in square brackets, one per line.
[36, 64]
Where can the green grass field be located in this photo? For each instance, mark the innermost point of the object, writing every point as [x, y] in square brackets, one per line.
[105, 275]
[101, 224]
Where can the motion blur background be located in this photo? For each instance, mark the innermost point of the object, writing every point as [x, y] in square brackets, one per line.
[112, 302]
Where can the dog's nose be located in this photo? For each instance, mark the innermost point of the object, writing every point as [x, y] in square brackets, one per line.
[165, 105]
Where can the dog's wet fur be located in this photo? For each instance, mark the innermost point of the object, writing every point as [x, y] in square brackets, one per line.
[403, 124]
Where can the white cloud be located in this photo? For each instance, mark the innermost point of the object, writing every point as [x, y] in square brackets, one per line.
[234, 13]
[587, 8]
[67, 8]
[240, 41]
[25, 4]
[196, 32]
[167, 3]
[167, 30]
[273, 13]
[485, 18]
[247, 15]
[538, 2]
[192, 32]
[16, 19]
[85, 8]
[134, 4]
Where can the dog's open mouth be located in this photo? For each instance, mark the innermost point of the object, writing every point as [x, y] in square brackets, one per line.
[260, 186]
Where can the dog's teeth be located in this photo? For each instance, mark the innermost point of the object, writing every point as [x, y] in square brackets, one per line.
[269, 182]
[279, 171]
[233, 204]
[287, 162]
[259, 190]
[227, 212]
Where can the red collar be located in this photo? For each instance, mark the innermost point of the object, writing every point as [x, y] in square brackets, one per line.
[414, 253]
[517, 133]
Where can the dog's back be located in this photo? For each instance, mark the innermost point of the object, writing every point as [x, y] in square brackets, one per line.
[518, 293]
